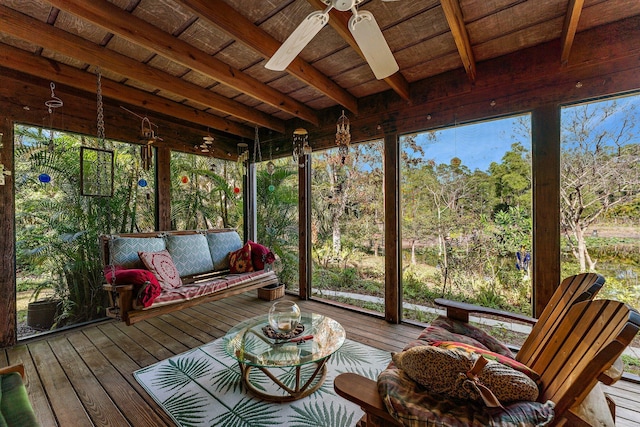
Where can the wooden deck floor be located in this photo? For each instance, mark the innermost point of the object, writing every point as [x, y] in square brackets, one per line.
[84, 377]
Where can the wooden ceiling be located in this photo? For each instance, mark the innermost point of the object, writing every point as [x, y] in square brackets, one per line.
[201, 62]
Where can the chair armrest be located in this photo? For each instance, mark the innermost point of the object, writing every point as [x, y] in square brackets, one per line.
[117, 288]
[613, 374]
[364, 392]
[13, 368]
[461, 310]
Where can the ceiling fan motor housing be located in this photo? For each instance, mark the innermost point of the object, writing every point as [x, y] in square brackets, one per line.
[342, 5]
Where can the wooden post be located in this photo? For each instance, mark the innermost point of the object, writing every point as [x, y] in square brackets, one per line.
[163, 188]
[304, 226]
[392, 236]
[7, 248]
[545, 132]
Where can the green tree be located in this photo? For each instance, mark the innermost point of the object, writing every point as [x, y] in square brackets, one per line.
[600, 164]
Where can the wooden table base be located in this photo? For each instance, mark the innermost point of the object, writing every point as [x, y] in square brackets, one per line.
[298, 392]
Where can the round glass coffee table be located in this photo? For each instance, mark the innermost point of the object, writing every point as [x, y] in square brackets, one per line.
[303, 362]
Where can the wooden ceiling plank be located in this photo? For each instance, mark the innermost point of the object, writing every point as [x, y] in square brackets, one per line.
[63, 74]
[42, 34]
[339, 21]
[142, 33]
[574, 10]
[220, 14]
[453, 13]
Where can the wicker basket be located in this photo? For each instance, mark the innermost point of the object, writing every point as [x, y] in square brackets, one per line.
[271, 292]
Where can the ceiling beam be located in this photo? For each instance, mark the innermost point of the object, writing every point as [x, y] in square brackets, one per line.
[453, 13]
[137, 31]
[570, 27]
[78, 115]
[220, 14]
[339, 21]
[47, 36]
[38, 66]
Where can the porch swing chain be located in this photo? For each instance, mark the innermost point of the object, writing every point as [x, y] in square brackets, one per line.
[257, 158]
[101, 135]
[101, 143]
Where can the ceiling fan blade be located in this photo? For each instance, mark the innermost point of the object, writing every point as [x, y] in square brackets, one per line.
[302, 35]
[374, 47]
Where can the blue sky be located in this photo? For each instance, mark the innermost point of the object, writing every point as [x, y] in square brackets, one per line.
[477, 144]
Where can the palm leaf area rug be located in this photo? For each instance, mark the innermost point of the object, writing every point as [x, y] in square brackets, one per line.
[202, 387]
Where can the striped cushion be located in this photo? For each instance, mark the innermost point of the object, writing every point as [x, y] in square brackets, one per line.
[190, 253]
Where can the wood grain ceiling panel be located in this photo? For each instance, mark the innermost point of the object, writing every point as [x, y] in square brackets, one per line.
[515, 19]
[167, 15]
[19, 43]
[527, 37]
[38, 9]
[78, 27]
[170, 67]
[184, 39]
[63, 59]
[478, 9]
[604, 12]
[206, 38]
[126, 48]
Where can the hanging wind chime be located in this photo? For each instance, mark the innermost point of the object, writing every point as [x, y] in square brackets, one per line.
[343, 137]
[52, 104]
[271, 168]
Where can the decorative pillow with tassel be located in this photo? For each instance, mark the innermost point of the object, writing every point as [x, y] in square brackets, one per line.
[463, 375]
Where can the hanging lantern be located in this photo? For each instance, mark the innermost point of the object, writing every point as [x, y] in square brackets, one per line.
[343, 136]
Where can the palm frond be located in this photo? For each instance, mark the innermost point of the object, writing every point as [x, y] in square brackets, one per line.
[248, 412]
[319, 415]
[180, 372]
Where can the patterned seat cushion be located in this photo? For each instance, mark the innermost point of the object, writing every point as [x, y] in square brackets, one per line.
[445, 329]
[413, 406]
[190, 253]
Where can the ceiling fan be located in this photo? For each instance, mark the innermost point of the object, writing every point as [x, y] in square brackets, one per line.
[363, 27]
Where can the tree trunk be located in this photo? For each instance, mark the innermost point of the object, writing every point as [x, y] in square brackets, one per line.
[413, 252]
[337, 245]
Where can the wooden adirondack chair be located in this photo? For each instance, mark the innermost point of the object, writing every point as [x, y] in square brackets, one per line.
[572, 356]
[577, 288]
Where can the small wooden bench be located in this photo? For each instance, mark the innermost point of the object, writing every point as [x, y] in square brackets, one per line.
[122, 297]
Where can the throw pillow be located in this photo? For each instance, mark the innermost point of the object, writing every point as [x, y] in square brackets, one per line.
[145, 282]
[240, 260]
[462, 375]
[488, 354]
[161, 264]
[260, 255]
